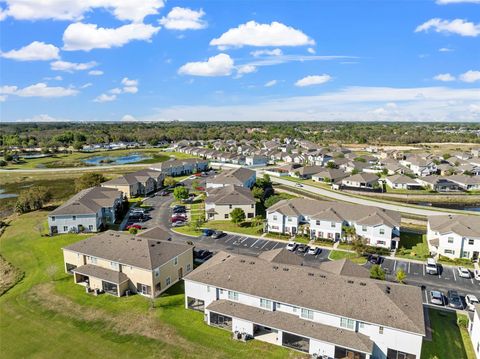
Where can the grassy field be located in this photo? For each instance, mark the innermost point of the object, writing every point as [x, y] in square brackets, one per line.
[448, 340]
[244, 228]
[354, 257]
[49, 316]
[413, 245]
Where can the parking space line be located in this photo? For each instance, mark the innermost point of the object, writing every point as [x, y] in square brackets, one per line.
[409, 267]
[423, 266]
[394, 265]
[276, 244]
[426, 297]
[266, 242]
[228, 240]
[454, 277]
[254, 243]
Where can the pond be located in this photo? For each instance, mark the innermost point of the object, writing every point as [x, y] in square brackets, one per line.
[4, 195]
[115, 160]
[462, 207]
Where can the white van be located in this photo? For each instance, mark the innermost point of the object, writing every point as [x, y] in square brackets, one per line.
[431, 267]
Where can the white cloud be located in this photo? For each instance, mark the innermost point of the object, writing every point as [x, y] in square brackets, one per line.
[88, 84]
[38, 90]
[71, 66]
[457, 26]
[444, 77]
[3, 16]
[245, 69]
[130, 89]
[255, 34]
[313, 80]
[128, 118]
[470, 76]
[274, 52]
[180, 18]
[95, 72]
[311, 50]
[3, 98]
[130, 10]
[36, 51]
[474, 108]
[105, 98]
[446, 2]
[270, 83]
[445, 49]
[348, 104]
[55, 78]
[80, 36]
[128, 82]
[219, 65]
[43, 118]
[281, 59]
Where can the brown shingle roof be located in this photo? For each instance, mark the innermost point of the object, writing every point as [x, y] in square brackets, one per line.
[101, 273]
[236, 176]
[387, 304]
[231, 194]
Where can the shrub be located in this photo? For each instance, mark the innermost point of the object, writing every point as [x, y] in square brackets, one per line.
[462, 321]
[376, 272]
[237, 215]
[87, 180]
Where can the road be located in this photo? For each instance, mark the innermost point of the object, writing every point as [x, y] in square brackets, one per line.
[447, 279]
[337, 195]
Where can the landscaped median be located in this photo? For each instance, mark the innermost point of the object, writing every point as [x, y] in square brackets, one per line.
[352, 256]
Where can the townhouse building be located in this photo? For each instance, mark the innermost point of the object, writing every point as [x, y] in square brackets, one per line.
[420, 166]
[242, 177]
[139, 183]
[221, 201]
[454, 236]
[90, 210]
[180, 167]
[474, 331]
[116, 262]
[330, 220]
[324, 313]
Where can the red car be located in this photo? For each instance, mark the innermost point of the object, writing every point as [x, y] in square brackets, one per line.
[198, 175]
[137, 226]
[178, 219]
[200, 188]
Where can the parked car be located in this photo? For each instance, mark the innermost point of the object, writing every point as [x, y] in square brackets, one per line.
[464, 272]
[298, 185]
[436, 297]
[207, 232]
[431, 267]
[163, 193]
[200, 188]
[187, 200]
[179, 206]
[314, 251]
[198, 175]
[217, 234]
[201, 256]
[476, 274]
[471, 301]
[302, 248]
[177, 219]
[375, 259]
[136, 225]
[291, 246]
[454, 300]
[179, 224]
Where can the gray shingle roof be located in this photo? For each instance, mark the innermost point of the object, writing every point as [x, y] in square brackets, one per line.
[468, 226]
[362, 178]
[292, 323]
[101, 273]
[345, 267]
[281, 255]
[387, 304]
[236, 176]
[148, 250]
[231, 194]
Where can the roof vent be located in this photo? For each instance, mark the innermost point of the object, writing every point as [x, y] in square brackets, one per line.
[158, 242]
[139, 240]
[363, 284]
[387, 289]
[275, 267]
[350, 281]
[285, 269]
[252, 262]
[311, 274]
[152, 245]
[323, 276]
[242, 260]
[112, 234]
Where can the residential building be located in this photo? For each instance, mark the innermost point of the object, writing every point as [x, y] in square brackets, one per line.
[454, 236]
[90, 210]
[242, 177]
[256, 160]
[420, 166]
[361, 181]
[116, 262]
[329, 220]
[437, 183]
[223, 200]
[305, 172]
[402, 182]
[298, 310]
[181, 167]
[329, 175]
[467, 183]
[139, 183]
[474, 331]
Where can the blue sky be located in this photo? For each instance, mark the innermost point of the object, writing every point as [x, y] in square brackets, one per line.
[151, 60]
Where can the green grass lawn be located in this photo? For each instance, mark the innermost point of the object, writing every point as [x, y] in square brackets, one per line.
[413, 245]
[49, 316]
[244, 228]
[448, 340]
[354, 257]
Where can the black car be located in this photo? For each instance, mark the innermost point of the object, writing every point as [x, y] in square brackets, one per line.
[179, 206]
[375, 259]
[217, 234]
[454, 300]
[201, 256]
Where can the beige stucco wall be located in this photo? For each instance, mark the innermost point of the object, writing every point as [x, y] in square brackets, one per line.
[171, 270]
[125, 189]
[222, 210]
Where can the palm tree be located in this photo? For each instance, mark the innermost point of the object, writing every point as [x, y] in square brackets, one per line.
[349, 232]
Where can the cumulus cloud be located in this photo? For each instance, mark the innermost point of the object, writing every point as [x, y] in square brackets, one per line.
[80, 36]
[274, 52]
[311, 50]
[36, 51]
[270, 83]
[180, 18]
[38, 90]
[470, 76]
[245, 69]
[105, 98]
[128, 118]
[313, 80]
[72, 66]
[219, 65]
[445, 49]
[95, 72]
[458, 26]
[125, 10]
[255, 34]
[444, 77]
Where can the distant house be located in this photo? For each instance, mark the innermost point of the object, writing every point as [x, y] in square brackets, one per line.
[361, 180]
[180, 167]
[242, 177]
[329, 175]
[402, 182]
[256, 160]
[305, 172]
[116, 262]
[437, 183]
[89, 210]
[467, 183]
[454, 236]
[222, 201]
[420, 166]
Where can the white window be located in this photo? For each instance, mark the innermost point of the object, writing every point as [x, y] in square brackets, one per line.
[232, 295]
[230, 206]
[65, 228]
[364, 228]
[175, 260]
[167, 281]
[93, 260]
[274, 218]
[347, 323]
[226, 216]
[466, 254]
[450, 239]
[306, 313]
[382, 231]
[449, 251]
[381, 242]
[380, 330]
[189, 267]
[332, 224]
[114, 265]
[317, 222]
[90, 227]
[361, 325]
[471, 241]
[74, 218]
[289, 219]
[265, 303]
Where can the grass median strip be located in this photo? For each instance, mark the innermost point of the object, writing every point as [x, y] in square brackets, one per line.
[354, 257]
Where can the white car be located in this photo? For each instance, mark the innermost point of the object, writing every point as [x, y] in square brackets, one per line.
[291, 246]
[471, 301]
[476, 274]
[431, 267]
[464, 272]
[298, 185]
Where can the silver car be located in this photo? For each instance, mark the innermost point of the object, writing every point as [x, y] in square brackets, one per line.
[436, 297]
[464, 272]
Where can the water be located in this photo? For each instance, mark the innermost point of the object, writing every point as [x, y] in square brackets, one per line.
[4, 195]
[112, 160]
[461, 207]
